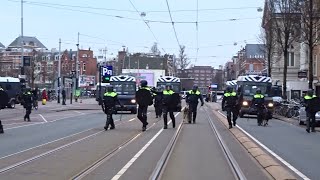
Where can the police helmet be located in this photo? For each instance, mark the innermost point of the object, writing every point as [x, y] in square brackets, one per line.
[258, 91]
[229, 89]
[169, 86]
[195, 87]
[143, 83]
[310, 92]
[109, 88]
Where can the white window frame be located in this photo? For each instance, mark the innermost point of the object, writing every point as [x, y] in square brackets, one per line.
[290, 54]
[84, 67]
[315, 65]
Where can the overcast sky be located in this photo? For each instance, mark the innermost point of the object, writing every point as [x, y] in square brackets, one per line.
[100, 26]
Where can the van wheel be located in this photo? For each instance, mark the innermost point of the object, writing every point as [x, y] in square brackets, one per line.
[12, 104]
[241, 115]
[301, 123]
[133, 111]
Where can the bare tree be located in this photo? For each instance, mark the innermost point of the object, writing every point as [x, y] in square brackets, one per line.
[183, 62]
[310, 36]
[155, 50]
[267, 38]
[286, 18]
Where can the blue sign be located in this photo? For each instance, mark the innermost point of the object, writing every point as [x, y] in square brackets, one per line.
[107, 71]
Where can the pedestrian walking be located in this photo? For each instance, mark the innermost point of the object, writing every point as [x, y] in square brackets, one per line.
[311, 103]
[229, 104]
[27, 103]
[168, 106]
[63, 93]
[143, 99]
[35, 98]
[193, 97]
[158, 102]
[258, 105]
[110, 98]
[4, 99]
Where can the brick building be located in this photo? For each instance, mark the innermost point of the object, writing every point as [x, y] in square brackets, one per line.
[203, 75]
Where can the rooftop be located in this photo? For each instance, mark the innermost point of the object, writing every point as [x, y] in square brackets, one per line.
[31, 42]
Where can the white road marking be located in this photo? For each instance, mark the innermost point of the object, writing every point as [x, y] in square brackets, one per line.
[20, 123]
[132, 119]
[136, 156]
[300, 174]
[79, 112]
[44, 119]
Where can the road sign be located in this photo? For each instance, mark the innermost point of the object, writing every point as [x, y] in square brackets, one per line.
[107, 71]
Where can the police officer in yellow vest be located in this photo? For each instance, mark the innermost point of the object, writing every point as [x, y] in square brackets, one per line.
[311, 104]
[110, 98]
[144, 99]
[192, 99]
[167, 106]
[27, 103]
[258, 104]
[229, 104]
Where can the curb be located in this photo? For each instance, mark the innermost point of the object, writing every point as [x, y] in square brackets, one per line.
[293, 122]
[277, 171]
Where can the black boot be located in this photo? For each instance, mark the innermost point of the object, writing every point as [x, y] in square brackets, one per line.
[230, 126]
[173, 123]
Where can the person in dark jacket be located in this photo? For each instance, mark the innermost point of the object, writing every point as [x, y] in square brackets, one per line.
[63, 93]
[143, 99]
[110, 98]
[157, 96]
[193, 97]
[27, 103]
[168, 106]
[35, 98]
[311, 102]
[258, 104]
[230, 104]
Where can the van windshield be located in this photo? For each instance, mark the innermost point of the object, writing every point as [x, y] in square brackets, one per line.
[124, 88]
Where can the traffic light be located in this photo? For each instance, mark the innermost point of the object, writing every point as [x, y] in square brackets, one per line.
[106, 79]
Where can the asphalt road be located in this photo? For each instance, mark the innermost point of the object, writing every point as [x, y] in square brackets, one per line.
[196, 155]
[290, 142]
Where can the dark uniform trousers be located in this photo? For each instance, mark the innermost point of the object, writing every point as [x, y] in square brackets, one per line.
[109, 112]
[158, 109]
[167, 110]
[232, 114]
[142, 114]
[28, 112]
[311, 120]
[193, 110]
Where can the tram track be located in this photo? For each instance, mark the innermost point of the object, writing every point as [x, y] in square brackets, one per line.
[162, 163]
[47, 153]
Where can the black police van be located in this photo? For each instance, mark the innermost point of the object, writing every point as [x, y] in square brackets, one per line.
[12, 86]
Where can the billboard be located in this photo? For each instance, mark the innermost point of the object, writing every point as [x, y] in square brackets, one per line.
[85, 81]
[149, 77]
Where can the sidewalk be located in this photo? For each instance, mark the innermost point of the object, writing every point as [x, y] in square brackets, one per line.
[82, 104]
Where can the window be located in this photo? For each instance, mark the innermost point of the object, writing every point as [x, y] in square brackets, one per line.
[196, 71]
[291, 59]
[208, 71]
[202, 71]
[73, 57]
[43, 58]
[84, 66]
[84, 55]
[250, 67]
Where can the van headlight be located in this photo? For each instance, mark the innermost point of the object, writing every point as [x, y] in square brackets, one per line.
[133, 101]
[245, 103]
[270, 105]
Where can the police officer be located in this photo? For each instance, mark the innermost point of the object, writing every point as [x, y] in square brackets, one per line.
[144, 99]
[229, 104]
[27, 103]
[110, 98]
[158, 102]
[310, 104]
[3, 103]
[192, 99]
[168, 106]
[258, 104]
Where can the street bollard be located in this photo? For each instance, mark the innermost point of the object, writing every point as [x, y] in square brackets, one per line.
[1, 128]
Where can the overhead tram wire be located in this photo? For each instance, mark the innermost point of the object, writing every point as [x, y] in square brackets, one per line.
[174, 29]
[128, 18]
[124, 10]
[146, 22]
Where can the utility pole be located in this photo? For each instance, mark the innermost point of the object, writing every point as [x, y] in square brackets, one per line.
[77, 64]
[311, 44]
[59, 71]
[21, 39]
